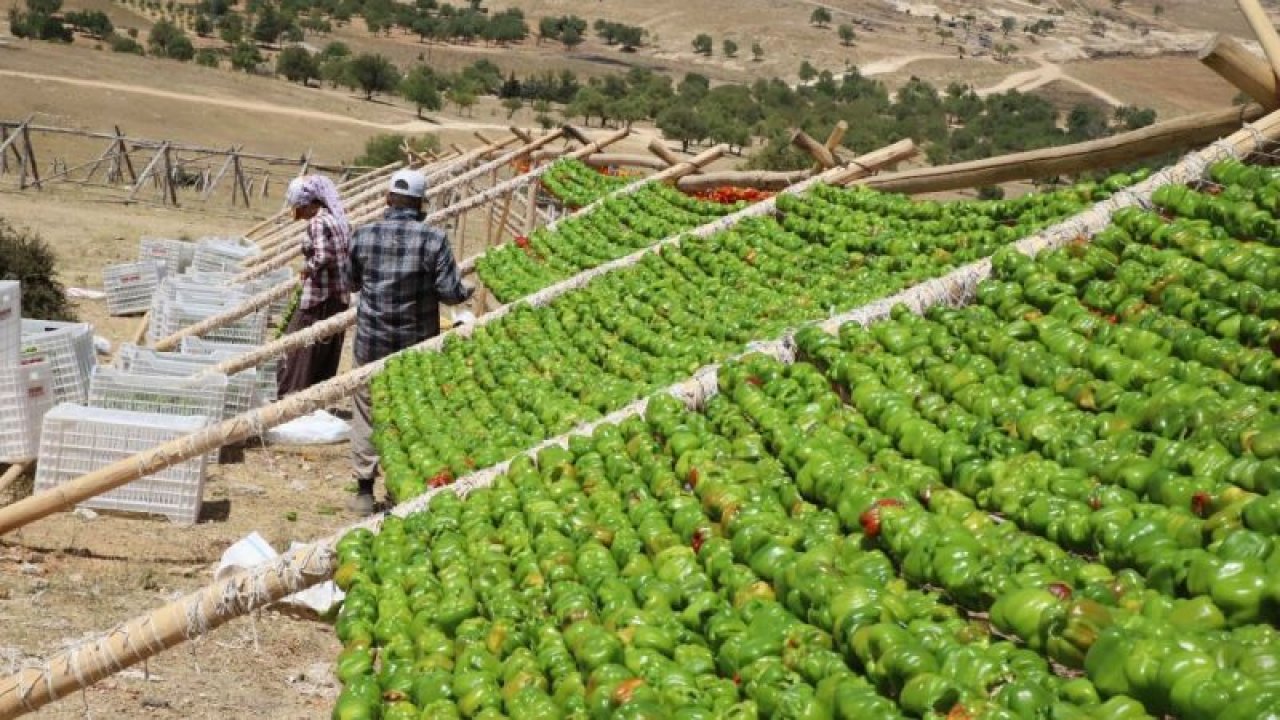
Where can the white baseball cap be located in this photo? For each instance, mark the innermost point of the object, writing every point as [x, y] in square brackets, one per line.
[409, 183]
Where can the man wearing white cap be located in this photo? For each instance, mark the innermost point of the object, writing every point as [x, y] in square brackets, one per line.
[402, 269]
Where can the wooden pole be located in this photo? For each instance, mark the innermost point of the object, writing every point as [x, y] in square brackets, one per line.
[1263, 30]
[147, 171]
[524, 136]
[249, 306]
[659, 148]
[31, 156]
[124, 154]
[815, 149]
[4, 153]
[169, 183]
[1248, 72]
[11, 475]
[1153, 140]
[833, 141]
[238, 178]
[140, 332]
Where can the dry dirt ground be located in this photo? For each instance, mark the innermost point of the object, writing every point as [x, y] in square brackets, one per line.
[66, 576]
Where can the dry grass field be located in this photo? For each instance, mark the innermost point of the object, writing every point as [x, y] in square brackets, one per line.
[67, 576]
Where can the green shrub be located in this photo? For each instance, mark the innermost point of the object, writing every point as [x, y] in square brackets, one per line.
[29, 260]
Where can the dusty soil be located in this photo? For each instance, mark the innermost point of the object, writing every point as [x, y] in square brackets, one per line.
[67, 576]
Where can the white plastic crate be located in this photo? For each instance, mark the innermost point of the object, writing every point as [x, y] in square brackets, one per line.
[130, 286]
[68, 348]
[26, 394]
[267, 387]
[175, 254]
[76, 440]
[242, 388]
[204, 396]
[10, 321]
[117, 389]
[248, 330]
[220, 255]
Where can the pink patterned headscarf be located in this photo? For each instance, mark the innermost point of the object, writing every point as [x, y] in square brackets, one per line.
[318, 188]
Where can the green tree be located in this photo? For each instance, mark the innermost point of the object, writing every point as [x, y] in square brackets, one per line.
[231, 28]
[298, 65]
[757, 52]
[1008, 24]
[571, 37]
[683, 124]
[820, 17]
[385, 149]
[1086, 122]
[702, 44]
[207, 57]
[512, 106]
[371, 74]
[269, 26]
[730, 48]
[93, 22]
[1158, 10]
[245, 56]
[808, 73]
[203, 26]
[125, 44]
[421, 87]
[166, 40]
[847, 35]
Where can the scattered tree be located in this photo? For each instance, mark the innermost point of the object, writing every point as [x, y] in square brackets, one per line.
[94, 23]
[512, 106]
[421, 87]
[730, 48]
[207, 57]
[702, 44]
[847, 35]
[757, 52]
[166, 40]
[1008, 24]
[297, 64]
[385, 149]
[571, 37]
[231, 29]
[820, 17]
[371, 74]
[245, 57]
[203, 26]
[808, 73]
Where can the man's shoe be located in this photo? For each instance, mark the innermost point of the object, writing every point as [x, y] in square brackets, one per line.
[361, 504]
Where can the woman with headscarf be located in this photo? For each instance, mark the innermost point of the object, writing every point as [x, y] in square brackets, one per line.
[326, 249]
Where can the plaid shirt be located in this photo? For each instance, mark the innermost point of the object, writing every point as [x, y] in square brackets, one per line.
[402, 269]
[326, 248]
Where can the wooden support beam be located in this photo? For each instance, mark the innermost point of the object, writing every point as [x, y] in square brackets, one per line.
[11, 475]
[4, 153]
[815, 149]
[147, 171]
[226, 165]
[833, 142]
[1248, 72]
[576, 133]
[1121, 149]
[524, 136]
[659, 148]
[238, 177]
[123, 153]
[481, 137]
[169, 185]
[31, 156]
[1263, 30]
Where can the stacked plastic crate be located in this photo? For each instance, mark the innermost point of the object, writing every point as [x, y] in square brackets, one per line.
[219, 254]
[67, 348]
[130, 286]
[77, 440]
[177, 255]
[26, 387]
[221, 351]
[202, 395]
[242, 388]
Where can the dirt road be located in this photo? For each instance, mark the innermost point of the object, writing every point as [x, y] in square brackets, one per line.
[409, 126]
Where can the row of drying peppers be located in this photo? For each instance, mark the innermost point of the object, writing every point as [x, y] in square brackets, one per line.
[539, 372]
